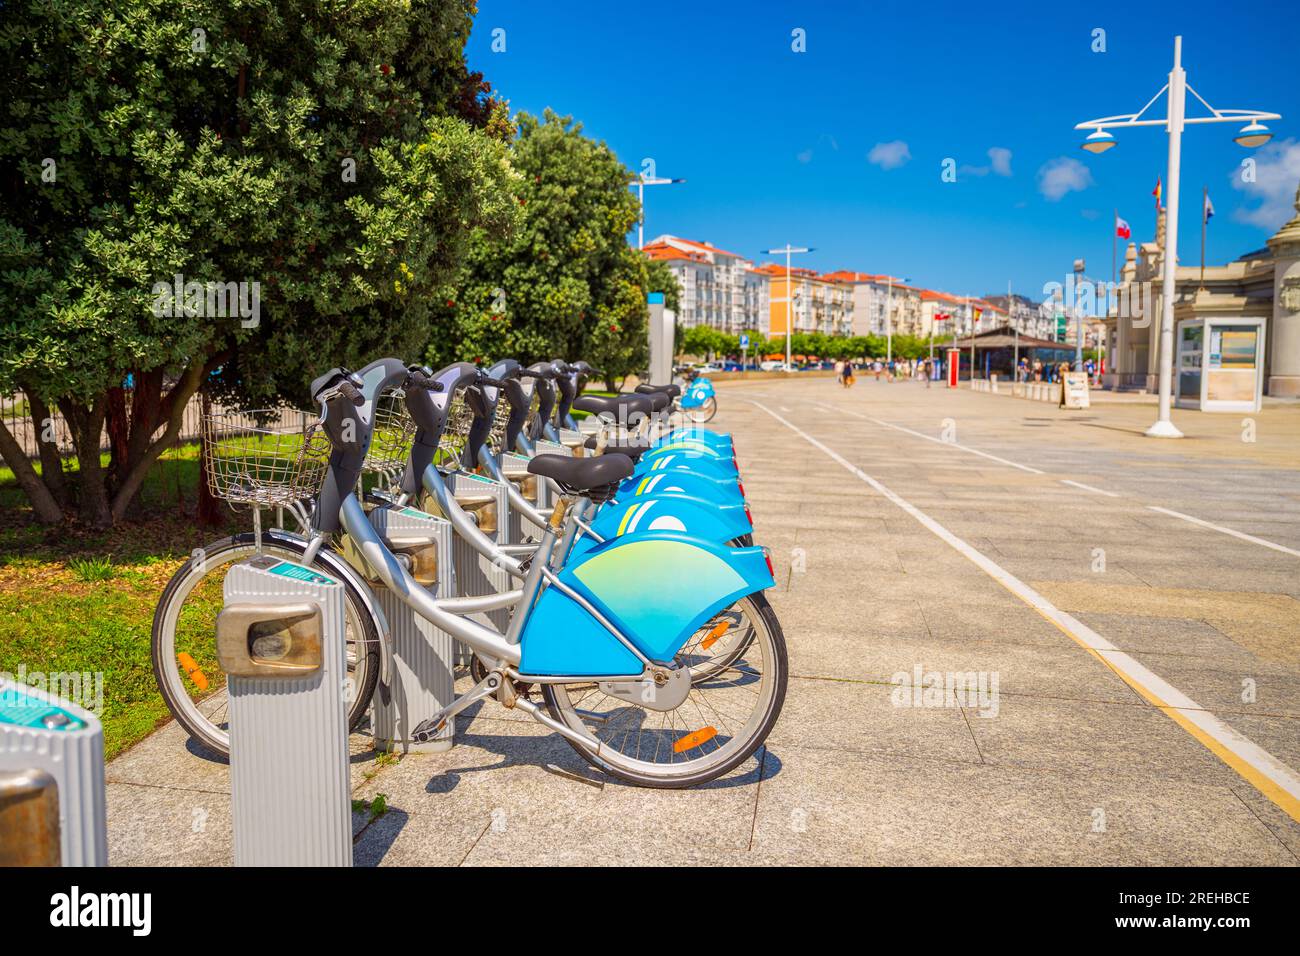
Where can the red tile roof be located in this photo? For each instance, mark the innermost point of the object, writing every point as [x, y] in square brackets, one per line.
[847, 275]
[705, 247]
[661, 251]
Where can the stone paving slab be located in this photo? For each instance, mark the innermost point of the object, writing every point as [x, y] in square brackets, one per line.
[1075, 768]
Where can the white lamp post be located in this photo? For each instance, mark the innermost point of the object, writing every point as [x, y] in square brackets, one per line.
[1098, 141]
[889, 324]
[642, 182]
[789, 250]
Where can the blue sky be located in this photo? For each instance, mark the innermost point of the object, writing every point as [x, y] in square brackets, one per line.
[778, 146]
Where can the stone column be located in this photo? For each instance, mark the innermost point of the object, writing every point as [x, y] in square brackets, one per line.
[1284, 357]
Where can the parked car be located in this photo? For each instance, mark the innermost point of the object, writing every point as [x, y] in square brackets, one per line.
[706, 368]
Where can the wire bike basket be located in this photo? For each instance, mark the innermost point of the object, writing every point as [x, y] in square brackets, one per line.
[392, 434]
[455, 434]
[501, 418]
[265, 457]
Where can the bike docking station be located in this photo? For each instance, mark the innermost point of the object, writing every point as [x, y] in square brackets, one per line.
[52, 799]
[535, 490]
[281, 643]
[484, 499]
[422, 679]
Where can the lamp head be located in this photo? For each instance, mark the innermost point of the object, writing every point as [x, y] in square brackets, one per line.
[1254, 134]
[1098, 141]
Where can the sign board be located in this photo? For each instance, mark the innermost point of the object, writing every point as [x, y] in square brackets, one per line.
[954, 366]
[744, 340]
[1074, 390]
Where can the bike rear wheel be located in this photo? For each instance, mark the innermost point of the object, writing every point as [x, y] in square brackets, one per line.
[721, 721]
[183, 642]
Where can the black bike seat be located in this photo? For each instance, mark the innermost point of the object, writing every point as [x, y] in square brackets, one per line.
[582, 474]
[674, 390]
[611, 406]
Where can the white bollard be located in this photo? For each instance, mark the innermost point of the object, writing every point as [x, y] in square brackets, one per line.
[281, 642]
[51, 781]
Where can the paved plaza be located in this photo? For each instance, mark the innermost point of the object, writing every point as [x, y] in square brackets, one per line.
[1124, 613]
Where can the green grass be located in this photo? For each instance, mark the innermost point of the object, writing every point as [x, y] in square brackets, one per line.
[91, 569]
[54, 624]
[77, 602]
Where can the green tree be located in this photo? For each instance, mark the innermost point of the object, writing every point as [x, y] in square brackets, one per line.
[333, 157]
[565, 283]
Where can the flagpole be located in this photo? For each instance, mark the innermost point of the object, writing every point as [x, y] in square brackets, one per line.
[1205, 197]
[1114, 248]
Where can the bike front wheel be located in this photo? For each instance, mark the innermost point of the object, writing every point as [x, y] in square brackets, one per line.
[703, 412]
[184, 649]
[721, 720]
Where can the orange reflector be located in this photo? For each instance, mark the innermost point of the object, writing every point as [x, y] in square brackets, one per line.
[191, 668]
[694, 739]
[712, 637]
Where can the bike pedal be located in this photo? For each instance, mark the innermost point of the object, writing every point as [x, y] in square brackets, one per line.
[426, 730]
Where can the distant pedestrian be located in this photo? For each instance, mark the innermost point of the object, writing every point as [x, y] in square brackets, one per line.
[928, 369]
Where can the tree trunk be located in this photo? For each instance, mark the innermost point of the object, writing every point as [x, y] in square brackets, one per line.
[87, 423]
[118, 427]
[208, 511]
[43, 504]
[51, 460]
[172, 410]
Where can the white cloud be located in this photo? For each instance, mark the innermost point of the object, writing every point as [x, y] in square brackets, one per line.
[805, 156]
[1063, 175]
[889, 155]
[1001, 159]
[1277, 171]
[999, 162]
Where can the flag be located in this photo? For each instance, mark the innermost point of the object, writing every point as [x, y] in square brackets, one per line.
[1122, 230]
[1208, 211]
[1158, 193]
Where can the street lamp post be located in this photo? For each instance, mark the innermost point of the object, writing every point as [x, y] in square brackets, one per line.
[642, 182]
[1098, 141]
[1078, 316]
[789, 250]
[889, 321]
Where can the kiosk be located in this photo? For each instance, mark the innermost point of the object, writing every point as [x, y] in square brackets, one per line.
[1221, 364]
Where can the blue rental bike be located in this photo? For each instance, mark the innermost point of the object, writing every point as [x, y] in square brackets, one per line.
[608, 637]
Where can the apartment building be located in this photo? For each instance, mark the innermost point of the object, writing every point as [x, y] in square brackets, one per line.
[873, 295]
[817, 304]
[719, 289]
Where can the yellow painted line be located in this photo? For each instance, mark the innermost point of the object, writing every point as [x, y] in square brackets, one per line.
[1266, 773]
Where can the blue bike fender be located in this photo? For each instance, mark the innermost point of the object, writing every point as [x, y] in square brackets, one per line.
[661, 586]
[693, 448]
[681, 481]
[658, 588]
[697, 517]
[697, 393]
[721, 441]
[718, 468]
